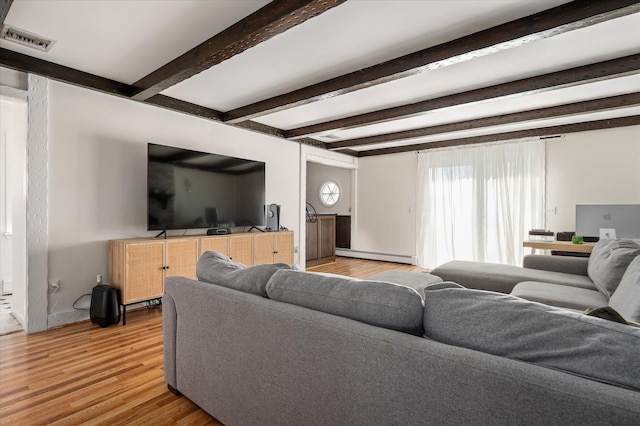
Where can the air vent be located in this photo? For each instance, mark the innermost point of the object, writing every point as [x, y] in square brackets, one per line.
[16, 35]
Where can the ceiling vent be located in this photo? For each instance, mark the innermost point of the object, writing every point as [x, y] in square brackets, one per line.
[332, 136]
[16, 35]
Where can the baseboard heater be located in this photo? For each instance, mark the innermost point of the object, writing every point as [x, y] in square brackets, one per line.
[387, 257]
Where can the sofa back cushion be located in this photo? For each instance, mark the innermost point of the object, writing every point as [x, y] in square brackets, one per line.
[216, 268]
[608, 263]
[378, 303]
[550, 337]
[626, 299]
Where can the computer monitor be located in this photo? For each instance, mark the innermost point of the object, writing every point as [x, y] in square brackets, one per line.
[624, 218]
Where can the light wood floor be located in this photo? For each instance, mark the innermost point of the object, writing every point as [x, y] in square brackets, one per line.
[84, 374]
[360, 268]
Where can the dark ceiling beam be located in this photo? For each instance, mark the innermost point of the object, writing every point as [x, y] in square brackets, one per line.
[269, 21]
[28, 64]
[594, 105]
[612, 123]
[178, 105]
[549, 23]
[273, 131]
[567, 78]
[5, 5]
[19, 62]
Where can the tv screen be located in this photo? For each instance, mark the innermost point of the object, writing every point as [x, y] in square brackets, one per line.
[190, 189]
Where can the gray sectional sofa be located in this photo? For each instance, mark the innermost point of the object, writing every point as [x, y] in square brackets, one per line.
[609, 277]
[272, 345]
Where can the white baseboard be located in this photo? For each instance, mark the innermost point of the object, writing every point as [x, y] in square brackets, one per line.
[78, 315]
[18, 318]
[386, 257]
[68, 317]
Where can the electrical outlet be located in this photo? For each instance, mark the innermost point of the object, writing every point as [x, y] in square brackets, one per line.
[295, 249]
[54, 286]
[551, 210]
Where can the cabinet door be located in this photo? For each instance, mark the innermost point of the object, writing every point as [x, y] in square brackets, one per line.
[220, 244]
[284, 248]
[264, 248]
[343, 232]
[327, 236]
[144, 273]
[312, 241]
[181, 257]
[241, 249]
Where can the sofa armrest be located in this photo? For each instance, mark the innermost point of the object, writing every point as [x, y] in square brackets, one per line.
[170, 327]
[565, 264]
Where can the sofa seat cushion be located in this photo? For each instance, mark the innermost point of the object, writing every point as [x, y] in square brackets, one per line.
[558, 295]
[547, 336]
[215, 268]
[378, 303]
[608, 263]
[503, 278]
[416, 280]
[626, 299]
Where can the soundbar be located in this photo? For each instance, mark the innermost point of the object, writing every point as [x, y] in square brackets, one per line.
[218, 231]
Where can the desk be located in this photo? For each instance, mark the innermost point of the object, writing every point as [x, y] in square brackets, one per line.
[559, 245]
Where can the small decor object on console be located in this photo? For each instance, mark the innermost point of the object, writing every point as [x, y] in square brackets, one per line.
[540, 235]
[218, 231]
[607, 234]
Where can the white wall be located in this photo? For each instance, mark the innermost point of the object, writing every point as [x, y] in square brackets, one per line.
[11, 78]
[385, 194]
[97, 179]
[317, 174]
[598, 167]
[590, 167]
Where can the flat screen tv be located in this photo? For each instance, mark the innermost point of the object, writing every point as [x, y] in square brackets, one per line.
[190, 189]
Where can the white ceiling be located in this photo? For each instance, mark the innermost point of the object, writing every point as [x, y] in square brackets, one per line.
[126, 40]
[122, 40]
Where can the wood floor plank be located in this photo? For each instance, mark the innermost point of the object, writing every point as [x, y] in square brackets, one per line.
[84, 374]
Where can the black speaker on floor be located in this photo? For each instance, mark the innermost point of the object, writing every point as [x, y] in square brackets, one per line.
[105, 306]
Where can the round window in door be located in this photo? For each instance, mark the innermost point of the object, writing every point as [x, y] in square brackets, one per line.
[329, 193]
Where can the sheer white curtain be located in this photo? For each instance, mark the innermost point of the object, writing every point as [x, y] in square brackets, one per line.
[478, 203]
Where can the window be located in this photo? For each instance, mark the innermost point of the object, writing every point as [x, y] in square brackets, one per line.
[329, 193]
[478, 203]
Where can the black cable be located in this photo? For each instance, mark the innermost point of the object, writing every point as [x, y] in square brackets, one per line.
[77, 300]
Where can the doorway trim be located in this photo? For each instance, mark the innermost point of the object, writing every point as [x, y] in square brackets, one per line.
[36, 181]
[328, 158]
